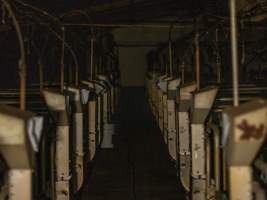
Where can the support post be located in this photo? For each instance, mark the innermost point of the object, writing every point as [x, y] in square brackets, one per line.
[234, 50]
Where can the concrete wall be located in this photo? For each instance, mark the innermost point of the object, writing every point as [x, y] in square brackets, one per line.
[133, 65]
[135, 43]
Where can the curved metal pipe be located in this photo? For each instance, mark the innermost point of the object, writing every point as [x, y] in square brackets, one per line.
[22, 62]
[56, 34]
[89, 19]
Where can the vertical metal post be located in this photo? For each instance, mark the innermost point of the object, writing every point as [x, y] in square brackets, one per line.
[218, 60]
[23, 77]
[22, 61]
[161, 65]
[92, 59]
[197, 57]
[96, 66]
[62, 69]
[70, 74]
[76, 74]
[243, 59]
[183, 72]
[170, 58]
[234, 50]
[243, 56]
[166, 69]
[41, 75]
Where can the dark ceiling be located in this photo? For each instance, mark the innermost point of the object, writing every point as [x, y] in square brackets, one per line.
[136, 10]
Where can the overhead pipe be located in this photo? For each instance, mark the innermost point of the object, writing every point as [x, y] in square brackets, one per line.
[123, 25]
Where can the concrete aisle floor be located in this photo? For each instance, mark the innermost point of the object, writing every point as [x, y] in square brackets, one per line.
[139, 167]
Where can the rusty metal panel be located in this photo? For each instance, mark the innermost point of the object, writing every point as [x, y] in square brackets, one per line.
[184, 134]
[100, 119]
[160, 110]
[79, 152]
[202, 103]
[246, 131]
[165, 118]
[171, 117]
[184, 149]
[185, 171]
[199, 189]
[77, 135]
[62, 163]
[244, 134]
[58, 104]
[198, 150]
[183, 101]
[172, 133]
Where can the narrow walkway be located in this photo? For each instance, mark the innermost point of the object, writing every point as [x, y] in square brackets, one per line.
[138, 168]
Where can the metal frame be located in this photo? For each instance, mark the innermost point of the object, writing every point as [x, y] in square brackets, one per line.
[15, 142]
[93, 121]
[171, 126]
[183, 102]
[245, 132]
[202, 103]
[78, 135]
[58, 105]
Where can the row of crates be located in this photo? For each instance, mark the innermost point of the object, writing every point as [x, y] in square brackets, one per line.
[45, 155]
[213, 145]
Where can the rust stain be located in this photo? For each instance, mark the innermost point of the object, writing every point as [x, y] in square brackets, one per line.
[250, 131]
